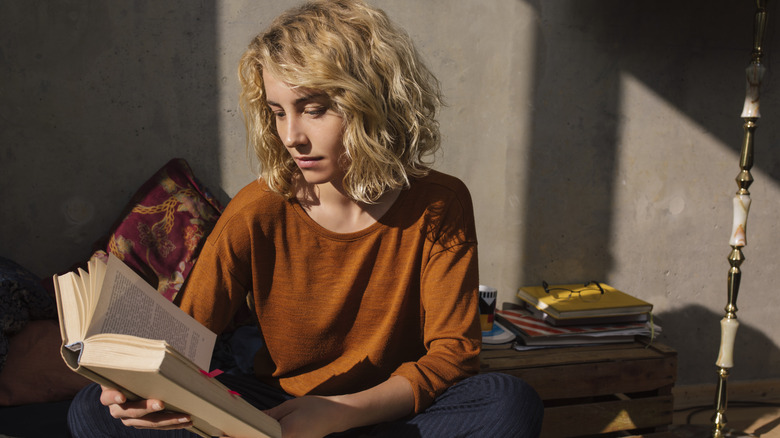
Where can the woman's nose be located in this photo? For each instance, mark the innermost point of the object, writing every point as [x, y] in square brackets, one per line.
[294, 135]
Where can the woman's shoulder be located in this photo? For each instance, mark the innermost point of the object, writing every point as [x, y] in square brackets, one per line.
[254, 204]
[439, 186]
[447, 206]
[254, 195]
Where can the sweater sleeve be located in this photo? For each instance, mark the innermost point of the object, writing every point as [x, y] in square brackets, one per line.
[449, 298]
[221, 277]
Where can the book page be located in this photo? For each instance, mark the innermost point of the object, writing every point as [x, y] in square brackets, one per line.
[128, 305]
[86, 297]
[68, 304]
[97, 271]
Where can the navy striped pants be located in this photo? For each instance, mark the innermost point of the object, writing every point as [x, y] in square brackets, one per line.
[486, 405]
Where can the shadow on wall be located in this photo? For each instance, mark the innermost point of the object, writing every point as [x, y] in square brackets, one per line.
[697, 347]
[583, 47]
[97, 96]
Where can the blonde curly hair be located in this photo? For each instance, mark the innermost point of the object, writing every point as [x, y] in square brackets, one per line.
[376, 80]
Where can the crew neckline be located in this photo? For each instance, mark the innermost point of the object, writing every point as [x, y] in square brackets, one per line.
[355, 234]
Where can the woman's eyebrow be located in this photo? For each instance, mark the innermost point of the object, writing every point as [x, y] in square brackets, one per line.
[303, 99]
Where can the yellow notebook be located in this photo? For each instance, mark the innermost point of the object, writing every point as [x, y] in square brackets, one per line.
[562, 301]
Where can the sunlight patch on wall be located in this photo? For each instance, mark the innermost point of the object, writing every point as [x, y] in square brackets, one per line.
[670, 184]
[675, 180]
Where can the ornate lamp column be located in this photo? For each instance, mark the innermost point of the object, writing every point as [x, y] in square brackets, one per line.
[741, 202]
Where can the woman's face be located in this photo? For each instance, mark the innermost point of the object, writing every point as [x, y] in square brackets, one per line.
[309, 128]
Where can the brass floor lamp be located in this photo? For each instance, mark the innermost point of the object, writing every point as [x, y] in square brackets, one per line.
[741, 202]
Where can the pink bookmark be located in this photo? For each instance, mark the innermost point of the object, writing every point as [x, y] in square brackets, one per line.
[215, 373]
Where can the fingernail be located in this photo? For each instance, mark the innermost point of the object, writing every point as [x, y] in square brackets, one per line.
[184, 420]
[156, 407]
[119, 399]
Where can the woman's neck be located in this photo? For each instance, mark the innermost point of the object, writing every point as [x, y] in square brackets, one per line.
[334, 210]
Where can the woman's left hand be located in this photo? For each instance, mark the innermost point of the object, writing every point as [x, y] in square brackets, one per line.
[310, 416]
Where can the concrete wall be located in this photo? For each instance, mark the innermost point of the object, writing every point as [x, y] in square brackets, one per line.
[599, 139]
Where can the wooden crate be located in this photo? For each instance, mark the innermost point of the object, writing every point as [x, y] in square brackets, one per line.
[593, 390]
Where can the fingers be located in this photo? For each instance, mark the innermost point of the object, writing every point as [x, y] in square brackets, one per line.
[135, 409]
[142, 414]
[110, 396]
[159, 420]
[279, 411]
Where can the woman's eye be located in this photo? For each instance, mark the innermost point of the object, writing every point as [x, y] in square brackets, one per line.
[315, 111]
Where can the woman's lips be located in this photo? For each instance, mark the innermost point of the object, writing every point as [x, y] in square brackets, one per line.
[307, 162]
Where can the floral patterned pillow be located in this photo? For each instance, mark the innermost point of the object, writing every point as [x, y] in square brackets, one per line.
[160, 233]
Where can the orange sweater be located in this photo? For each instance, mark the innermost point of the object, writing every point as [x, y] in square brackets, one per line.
[343, 312]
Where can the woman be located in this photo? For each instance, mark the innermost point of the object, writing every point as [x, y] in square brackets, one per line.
[361, 261]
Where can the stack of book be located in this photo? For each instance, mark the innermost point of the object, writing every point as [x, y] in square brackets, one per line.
[573, 314]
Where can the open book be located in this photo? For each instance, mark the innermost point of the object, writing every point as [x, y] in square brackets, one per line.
[119, 331]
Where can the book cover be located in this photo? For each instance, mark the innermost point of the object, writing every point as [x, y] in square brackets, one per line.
[588, 320]
[533, 331]
[582, 301]
[498, 337]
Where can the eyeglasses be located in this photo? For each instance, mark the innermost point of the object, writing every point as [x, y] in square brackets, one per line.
[588, 293]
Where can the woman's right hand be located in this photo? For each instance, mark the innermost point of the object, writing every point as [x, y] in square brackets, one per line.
[142, 414]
